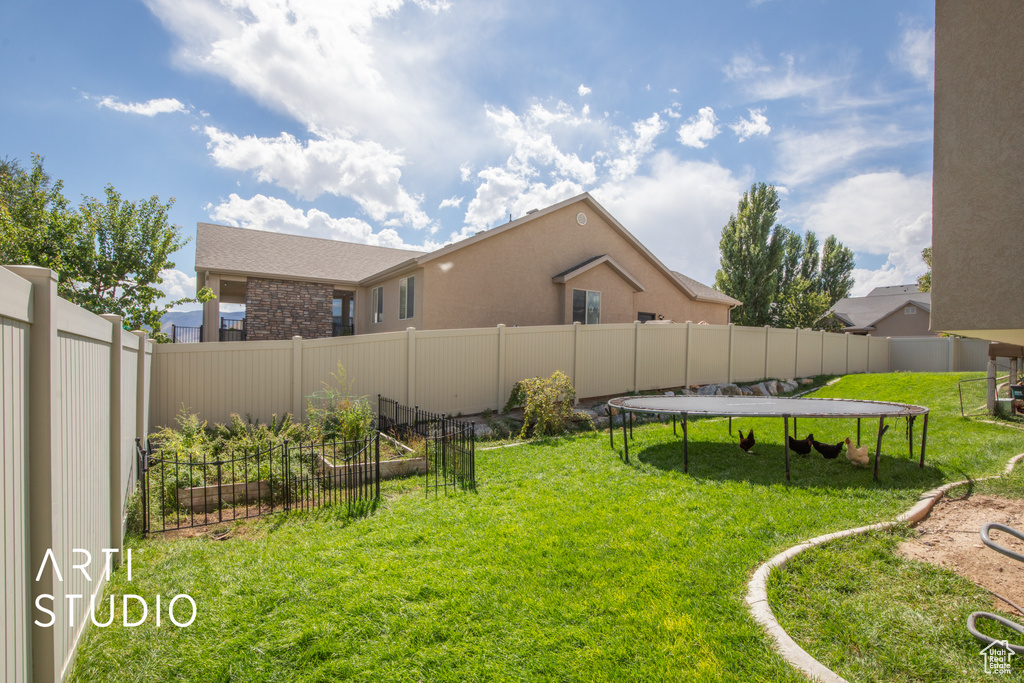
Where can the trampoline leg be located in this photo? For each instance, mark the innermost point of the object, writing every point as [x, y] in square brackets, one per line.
[785, 441]
[730, 425]
[910, 435]
[625, 437]
[878, 445]
[686, 447]
[631, 425]
[858, 432]
[924, 437]
[674, 433]
[794, 429]
[611, 427]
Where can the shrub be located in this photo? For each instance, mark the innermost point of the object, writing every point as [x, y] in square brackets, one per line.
[548, 404]
[333, 414]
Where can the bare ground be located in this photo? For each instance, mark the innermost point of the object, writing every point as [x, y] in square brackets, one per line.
[950, 537]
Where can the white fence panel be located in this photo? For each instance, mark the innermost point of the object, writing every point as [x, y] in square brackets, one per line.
[16, 585]
[748, 355]
[709, 354]
[858, 351]
[920, 354]
[456, 371]
[606, 359]
[535, 352]
[661, 356]
[782, 354]
[808, 361]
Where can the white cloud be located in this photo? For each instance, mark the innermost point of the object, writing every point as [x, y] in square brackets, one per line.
[633, 148]
[916, 53]
[886, 214]
[163, 105]
[807, 157]
[699, 129]
[677, 210]
[362, 170]
[453, 202]
[583, 90]
[176, 285]
[765, 82]
[276, 215]
[756, 125]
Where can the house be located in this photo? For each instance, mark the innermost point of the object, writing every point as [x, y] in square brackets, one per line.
[978, 174]
[571, 262]
[899, 311]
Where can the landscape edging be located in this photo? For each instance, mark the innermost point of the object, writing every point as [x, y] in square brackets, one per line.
[757, 589]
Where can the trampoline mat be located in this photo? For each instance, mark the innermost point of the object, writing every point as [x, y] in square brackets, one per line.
[763, 406]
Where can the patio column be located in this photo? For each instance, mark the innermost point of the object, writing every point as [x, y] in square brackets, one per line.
[211, 311]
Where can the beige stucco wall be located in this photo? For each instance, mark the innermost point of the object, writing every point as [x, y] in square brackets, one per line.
[900, 324]
[978, 205]
[506, 278]
[391, 322]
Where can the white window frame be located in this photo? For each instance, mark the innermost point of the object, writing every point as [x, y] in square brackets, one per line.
[406, 303]
[910, 310]
[377, 305]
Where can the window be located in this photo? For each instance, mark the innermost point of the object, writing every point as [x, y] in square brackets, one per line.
[586, 307]
[910, 310]
[406, 298]
[377, 304]
[644, 317]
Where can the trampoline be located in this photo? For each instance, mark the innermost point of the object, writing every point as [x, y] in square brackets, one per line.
[767, 406]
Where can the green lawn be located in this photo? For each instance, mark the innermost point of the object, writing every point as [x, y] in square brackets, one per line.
[565, 565]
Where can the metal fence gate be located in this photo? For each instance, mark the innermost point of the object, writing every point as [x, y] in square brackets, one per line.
[181, 491]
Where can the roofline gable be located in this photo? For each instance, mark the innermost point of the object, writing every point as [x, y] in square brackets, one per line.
[562, 278]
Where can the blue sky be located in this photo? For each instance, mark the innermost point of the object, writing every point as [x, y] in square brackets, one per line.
[416, 122]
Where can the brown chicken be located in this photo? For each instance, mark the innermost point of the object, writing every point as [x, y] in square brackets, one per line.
[747, 442]
[801, 446]
[828, 450]
[856, 455]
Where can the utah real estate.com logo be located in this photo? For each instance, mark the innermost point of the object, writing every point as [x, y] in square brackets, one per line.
[997, 656]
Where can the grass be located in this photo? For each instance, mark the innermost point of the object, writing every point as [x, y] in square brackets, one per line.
[566, 565]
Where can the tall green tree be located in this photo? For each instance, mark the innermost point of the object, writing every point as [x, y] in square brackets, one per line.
[836, 270]
[109, 255]
[752, 247]
[924, 283]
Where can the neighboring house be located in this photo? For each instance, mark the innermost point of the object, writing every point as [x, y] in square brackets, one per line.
[978, 175]
[900, 311]
[571, 262]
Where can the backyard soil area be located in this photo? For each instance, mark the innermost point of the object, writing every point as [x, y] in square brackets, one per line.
[949, 537]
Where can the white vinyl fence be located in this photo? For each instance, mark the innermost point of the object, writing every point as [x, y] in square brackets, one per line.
[73, 396]
[468, 371]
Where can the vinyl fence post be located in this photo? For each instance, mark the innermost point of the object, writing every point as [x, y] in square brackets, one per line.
[577, 340]
[499, 402]
[868, 368]
[796, 353]
[410, 367]
[728, 372]
[116, 485]
[297, 407]
[951, 364]
[689, 353]
[43, 438]
[636, 356]
[767, 343]
[847, 354]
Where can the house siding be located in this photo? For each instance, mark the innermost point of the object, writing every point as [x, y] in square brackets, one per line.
[900, 324]
[507, 278]
[977, 248]
[281, 309]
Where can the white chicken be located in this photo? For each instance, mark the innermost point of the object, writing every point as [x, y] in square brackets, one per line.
[858, 455]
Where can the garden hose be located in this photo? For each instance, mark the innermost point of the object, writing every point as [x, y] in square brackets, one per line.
[975, 616]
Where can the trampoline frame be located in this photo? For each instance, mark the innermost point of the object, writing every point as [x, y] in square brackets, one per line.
[909, 411]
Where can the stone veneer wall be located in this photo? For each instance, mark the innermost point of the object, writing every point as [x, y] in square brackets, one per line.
[281, 309]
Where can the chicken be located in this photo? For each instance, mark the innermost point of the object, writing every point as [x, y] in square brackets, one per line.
[856, 455]
[747, 442]
[828, 450]
[801, 446]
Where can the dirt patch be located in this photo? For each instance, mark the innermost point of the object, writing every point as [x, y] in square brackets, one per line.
[949, 537]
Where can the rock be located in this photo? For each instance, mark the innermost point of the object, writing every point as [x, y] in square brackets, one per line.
[791, 385]
[807, 381]
[601, 409]
[482, 430]
[708, 390]
[747, 391]
[729, 390]
[601, 423]
[758, 390]
[670, 393]
[583, 413]
[687, 392]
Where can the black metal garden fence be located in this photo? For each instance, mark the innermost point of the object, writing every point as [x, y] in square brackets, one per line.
[449, 444]
[180, 491]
